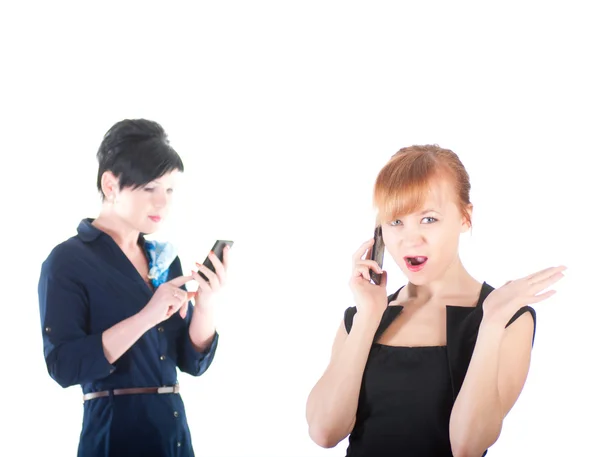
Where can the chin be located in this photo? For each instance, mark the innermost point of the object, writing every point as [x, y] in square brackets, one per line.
[417, 280]
[148, 229]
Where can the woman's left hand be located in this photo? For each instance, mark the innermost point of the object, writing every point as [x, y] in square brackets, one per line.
[502, 303]
[207, 289]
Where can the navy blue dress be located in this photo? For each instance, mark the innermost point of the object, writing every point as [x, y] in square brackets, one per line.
[86, 286]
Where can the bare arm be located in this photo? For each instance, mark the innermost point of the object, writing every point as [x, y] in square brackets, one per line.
[500, 362]
[120, 337]
[166, 300]
[494, 380]
[333, 402]
[202, 328]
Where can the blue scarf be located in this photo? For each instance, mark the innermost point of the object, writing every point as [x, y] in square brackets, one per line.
[161, 256]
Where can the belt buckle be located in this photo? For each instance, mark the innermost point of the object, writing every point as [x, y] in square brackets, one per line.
[168, 389]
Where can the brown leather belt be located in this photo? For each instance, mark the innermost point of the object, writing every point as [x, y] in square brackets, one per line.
[133, 390]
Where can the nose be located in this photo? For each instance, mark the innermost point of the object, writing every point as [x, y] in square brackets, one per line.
[412, 237]
[160, 200]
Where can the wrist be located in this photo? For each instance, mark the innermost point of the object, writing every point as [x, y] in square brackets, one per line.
[143, 320]
[203, 310]
[368, 319]
[492, 327]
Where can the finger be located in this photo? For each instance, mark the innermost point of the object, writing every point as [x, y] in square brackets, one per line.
[226, 257]
[219, 267]
[383, 281]
[545, 273]
[534, 275]
[176, 307]
[183, 310]
[211, 275]
[362, 272]
[179, 302]
[180, 281]
[541, 297]
[179, 294]
[361, 251]
[171, 310]
[203, 285]
[213, 279]
[541, 285]
[371, 264]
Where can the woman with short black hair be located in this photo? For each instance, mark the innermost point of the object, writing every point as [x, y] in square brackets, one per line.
[115, 313]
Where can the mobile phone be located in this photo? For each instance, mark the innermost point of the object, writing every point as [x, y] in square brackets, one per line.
[217, 248]
[377, 254]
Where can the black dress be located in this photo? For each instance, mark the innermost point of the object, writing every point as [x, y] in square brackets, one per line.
[407, 394]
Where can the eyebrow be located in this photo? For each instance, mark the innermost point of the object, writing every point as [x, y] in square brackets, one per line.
[429, 211]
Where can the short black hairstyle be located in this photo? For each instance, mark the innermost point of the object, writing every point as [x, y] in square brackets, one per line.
[136, 151]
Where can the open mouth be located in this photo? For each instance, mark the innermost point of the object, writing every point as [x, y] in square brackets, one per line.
[155, 218]
[415, 263]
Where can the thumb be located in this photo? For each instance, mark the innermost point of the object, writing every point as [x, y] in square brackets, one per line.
[180, 280]
[184, 308]
[383, 282]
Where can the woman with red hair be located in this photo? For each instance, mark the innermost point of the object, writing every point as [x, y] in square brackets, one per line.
[434, 368]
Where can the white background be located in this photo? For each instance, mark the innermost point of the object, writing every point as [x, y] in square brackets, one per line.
[283, 114]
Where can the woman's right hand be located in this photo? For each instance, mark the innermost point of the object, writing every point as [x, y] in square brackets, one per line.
[168, 299]
[370, 298]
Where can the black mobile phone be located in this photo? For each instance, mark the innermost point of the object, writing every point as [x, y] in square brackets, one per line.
[218, 250]
[377, 254]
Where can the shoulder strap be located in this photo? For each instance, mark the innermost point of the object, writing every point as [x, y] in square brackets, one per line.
[519, 313]
[349, 317]
[487, 289]
[351, 311]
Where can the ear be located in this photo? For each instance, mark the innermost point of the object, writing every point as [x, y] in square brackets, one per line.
[110, 185]
[466, 226]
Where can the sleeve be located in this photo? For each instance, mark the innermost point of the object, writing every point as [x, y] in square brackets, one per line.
[519, 313]
[189, 360]
[349, 318]
[72, 355]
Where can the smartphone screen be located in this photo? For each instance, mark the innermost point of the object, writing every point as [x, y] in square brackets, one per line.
[217, 248]
[377, 254]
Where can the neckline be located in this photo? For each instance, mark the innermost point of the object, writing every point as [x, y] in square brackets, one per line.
[89, 232]
[392, 312]
[480, 299]
[413, 348]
